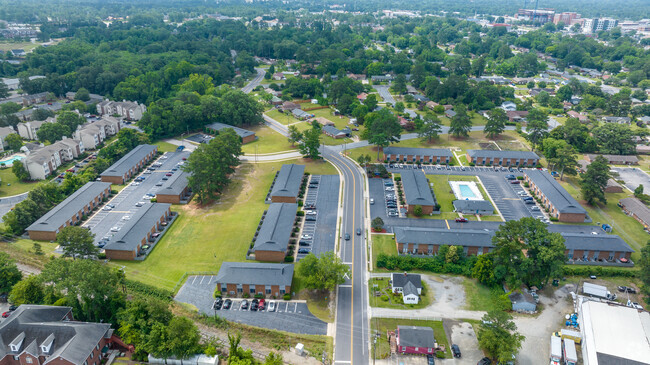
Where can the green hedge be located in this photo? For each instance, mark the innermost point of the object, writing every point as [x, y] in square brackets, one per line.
[580, 270]
[435, 264]
[148, 290]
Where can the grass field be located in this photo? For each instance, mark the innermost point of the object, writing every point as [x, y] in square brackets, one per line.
[27, 46]
[382, 243]
[383, 325]
[22, 250]
[479, 297]
[382, 301]
[444, 194]
[10, 185]
[166, 146]
[203, 237]
[268, 141]
[285, 119]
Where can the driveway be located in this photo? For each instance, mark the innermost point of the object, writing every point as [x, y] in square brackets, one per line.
[633, 177]
[290, 316]
[385, 94]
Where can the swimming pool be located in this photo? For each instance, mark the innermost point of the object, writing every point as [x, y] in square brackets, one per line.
[466, 190]
[10, 161]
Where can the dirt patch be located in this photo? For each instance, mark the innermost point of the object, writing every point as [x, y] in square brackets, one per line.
[487, 146]
[448, 292]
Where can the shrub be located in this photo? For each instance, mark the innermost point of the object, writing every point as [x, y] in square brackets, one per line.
[520, 177]
[553, 219]
[246, 295]
[526, 184]
[288, 259]
[472, 164]
[436, 207]
[300, 213]
[398, 178]
[148, 290]
[287, 296]
[384, 298]
[101, 256]
[440, 355]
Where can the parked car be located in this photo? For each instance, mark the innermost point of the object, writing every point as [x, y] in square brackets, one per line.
[12, 308]
[461, 220]
[304, 243]
[168, 174]
[244, 304]
[139, 204]
[165, 178]
[271, 306]
[217, 304]
[484, 361]
[262, 304]
[115, 229]
[304, 250]
[455, 350]
[430, 360]
[227, 304]
[6, 314]
[306, 237]
[515, 182]
[392, 214]
[155, 234]
[255, 304]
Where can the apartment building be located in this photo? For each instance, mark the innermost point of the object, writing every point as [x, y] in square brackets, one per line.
[502, 158]
[129, 110]
[418, 155]
[122, 170]
[559, 202]
[27, 130]
[43, 161]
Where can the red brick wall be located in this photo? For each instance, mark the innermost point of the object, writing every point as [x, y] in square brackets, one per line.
[572, 217]
[269, 256]
[283, 199]
[426, 209]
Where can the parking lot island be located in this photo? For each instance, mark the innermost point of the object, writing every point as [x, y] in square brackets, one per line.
[70, 211]
[126, 167]
[253, 278]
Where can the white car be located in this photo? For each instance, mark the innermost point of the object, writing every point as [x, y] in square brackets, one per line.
[372, 201]
[390, 188]
[135, 183]
[311, 212]
[107, 208]
[126, 217]
[115, 229]
[306, 237]
[139, 204]
[271, 307]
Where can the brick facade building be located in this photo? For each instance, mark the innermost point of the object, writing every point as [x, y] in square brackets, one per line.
[418, 155]
[286, 186]
[559, 202]
[239, 278]
[502, 158]
[126, 167]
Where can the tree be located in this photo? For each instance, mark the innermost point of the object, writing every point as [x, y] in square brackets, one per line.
[360, 111]
[382, 129]
[498, 337]
[377, 224]
[52, 132]
[14, 141]
[461, 123]
[417, 211]
[527, 253]
[638, 191]
[28, 291]
[239, 109]
[371, 102]
[478, 66]
[309, 145]
[644, 272]
[9, 273]
[82, 94]
[496, 123]
[273, 358]
[211, 164]
[537, 126]
[431, 128]
[566, 160]
[594, 181]
[10, 108]
[615, 138]
[137, 320]
[295, 135]
[530, 84]
[4, 90]
[483, 270]
[324, 272]
[184, 337]
[399, 84]
[92, 289]
[77, 242]
[363, 160]
[20, 171]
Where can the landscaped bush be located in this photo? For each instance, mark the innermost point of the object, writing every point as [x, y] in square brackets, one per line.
[526, 185]
[472, 164]
[287, 296]
[520, 177]
[288, 259]
[246, 296]
[300, 213]
[553, 219]
[583, 270]
[384, 298]
[434, 264]
[398, 178]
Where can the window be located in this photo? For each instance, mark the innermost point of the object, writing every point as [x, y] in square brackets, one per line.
[282, 291]
[268, 291]
[239, 290]
[97, 347]
[15, 357]
[404, 348]
[91, 355]
[252, 290]
[224, 288]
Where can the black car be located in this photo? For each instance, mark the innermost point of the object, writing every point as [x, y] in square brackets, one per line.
[12, 308]
[304, 250]
[217, 304]
[358, 231]
[227, 304]
[310, 218]
[314, 182]
[484, 361]
[455, 350]
[430, 360]
[304, 243]
[255, 304]
[347, 236]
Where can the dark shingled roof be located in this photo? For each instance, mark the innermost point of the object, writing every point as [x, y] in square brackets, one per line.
[554, 192]
[129, 160]
[410, 151]
[400, 279]
[522, 297]
[254, 273]
[288, 181]
[416, 188]
[175, 185]
[131, 234]
[473, 205]
[503, 154]
[240, 131]
[595, 242]
[38, 324]
[276, 227]
[636, 207]
[441, 236]
[415, 336]
[409, 288]
[54, 219]
[333, 131]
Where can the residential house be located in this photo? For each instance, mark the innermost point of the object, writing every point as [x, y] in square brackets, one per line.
[615, 159]
[517, 116]
[245, 135]
[334, 132]
[175, 190]
[431, 104]
[254, 278]
[278, 76]
[613, 187]
[409, 285]
[415, 340]
[4, 132]
[272, 241]
[28, 130]
[637, 209]
[301, 114]
[417, 155]
[128, 242]
[508, 106]
[450, 113]
[502, 158]
[522, 302]
[619, 120]
[286, 186]
[69, 212]
[417, 191]
[322, 121]
[581, 117]
[644, 119]
[560, 204]
[420, 98]
[381, 78]
[481, 207]
[275, 101]
[362, 97]
[35, 99]
[43, 334]
[127, 166]
[129, 110]
[289, 106]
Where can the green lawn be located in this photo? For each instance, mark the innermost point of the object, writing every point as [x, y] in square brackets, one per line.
[382, 243]
[384, 325]
[386, 299]
[166, 146]
[285, 119]
[444, 194]
[10, 185]
[479, 297]
[22, 250]
[202, 238]
[27, 46]
[268, 141]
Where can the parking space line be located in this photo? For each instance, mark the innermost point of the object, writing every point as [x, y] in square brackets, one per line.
[194, 280]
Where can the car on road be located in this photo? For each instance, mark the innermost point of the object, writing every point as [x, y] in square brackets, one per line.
[311, 212]
[165, 178]
[455, 350]
[271, 306]
[168, 174]
[461, 220]
[534, 207]
[484, 361]
[244, 304]
[347, 236]
[390, 188]
[227, 304]
[12, 308]
[358, 231]
[372, 201]
[135, 183]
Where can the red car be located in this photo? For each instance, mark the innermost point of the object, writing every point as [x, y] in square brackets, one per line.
[168, 174]
[6, 314]
[515, 182]
[184, 158]
[61, 176]
[262, 304]
[461, 220]
[70, 170]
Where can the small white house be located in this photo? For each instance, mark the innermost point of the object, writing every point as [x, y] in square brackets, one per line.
[410, 285]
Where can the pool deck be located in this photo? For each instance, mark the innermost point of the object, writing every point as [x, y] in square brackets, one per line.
[456, 187]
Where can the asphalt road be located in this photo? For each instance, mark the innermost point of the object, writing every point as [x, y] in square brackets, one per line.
[255, 82]
[352, 337]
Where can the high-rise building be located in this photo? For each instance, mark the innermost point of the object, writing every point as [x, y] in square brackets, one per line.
[597, 24]
[568, 18]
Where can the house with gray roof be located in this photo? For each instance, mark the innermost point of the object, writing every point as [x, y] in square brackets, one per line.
[334, 132]
[418, 155]
[286, 186]
[175, 190]
[245, 135]
[43, 161]
[269, 280]
[70, 211]
[273, 237]
[559, 202]
[482, 207]
[502, 158]
[619, 120]
[417, 191]
[126, 167]
[635, 208]
[40, 335]
[522, 302]
[143, 228]
[409, 285]
[450, 113]
[616, 159]
[415, 340]
[301, 114]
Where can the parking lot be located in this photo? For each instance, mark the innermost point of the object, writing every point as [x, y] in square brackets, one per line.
[289, 316]
[319, 228]
[633, 177]
[107, 221]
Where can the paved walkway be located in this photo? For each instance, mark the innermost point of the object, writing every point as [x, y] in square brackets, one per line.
[428, 312]
[271, 158]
